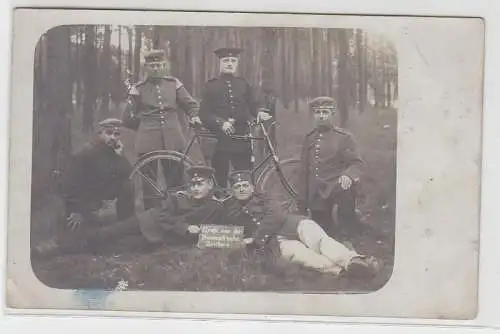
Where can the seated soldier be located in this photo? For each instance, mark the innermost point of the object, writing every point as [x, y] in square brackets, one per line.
[97, 173]
[331, 168]
[179, 216]
[299, 239]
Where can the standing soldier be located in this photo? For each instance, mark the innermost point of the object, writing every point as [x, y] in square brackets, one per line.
[331, 167]
[227, 105]
[152, 111]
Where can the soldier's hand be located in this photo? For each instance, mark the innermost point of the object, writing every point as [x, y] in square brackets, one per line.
[119, 147]
[345, 182]
[194, 229]
[248, 241]
[74, 221]
[263, 116]
[195, 120]
[228, 128]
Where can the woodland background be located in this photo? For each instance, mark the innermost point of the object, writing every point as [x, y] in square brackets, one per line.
[79, 73]
[79, 79]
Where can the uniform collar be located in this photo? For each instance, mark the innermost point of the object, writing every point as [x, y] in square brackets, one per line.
[322, 129]
[227, 76]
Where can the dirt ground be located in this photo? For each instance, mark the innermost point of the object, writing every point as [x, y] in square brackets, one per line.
[183, 267]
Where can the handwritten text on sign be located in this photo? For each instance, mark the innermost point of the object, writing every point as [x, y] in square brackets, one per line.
[220, 236]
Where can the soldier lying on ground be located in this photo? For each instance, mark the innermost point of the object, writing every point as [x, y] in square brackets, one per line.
[330, 172]
[97, 173]
[297, 238]
[179, 216]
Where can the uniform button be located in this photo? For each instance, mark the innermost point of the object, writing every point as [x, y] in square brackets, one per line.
[320, 135]
[258, 223]
[254, 220]
[162, 122]
[317, 175]
[317, 145]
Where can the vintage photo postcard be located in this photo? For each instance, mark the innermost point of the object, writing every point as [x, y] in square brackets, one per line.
[217, 163]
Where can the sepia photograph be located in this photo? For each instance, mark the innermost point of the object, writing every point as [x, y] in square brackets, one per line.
[214, 158]
[245, 163]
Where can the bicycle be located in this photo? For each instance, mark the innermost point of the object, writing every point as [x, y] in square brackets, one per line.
[268, 173]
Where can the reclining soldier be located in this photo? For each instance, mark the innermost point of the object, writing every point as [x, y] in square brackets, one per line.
[298, 239]
[178, 217]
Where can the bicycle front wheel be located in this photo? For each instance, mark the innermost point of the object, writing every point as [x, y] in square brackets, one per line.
[281, 181]
[149, 177]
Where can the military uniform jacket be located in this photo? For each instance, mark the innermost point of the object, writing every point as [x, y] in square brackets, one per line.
[228, 97]
[156, 104]
[94, 174]
[262, 217]
[327, 155]
[177, 212]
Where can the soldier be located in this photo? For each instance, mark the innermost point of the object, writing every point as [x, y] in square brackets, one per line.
[331, 168]
[297, 238]
[152, 111]
[179, 216]
[97, 173]
[228, 103]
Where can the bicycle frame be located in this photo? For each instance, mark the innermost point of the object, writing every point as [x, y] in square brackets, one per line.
[272, 155]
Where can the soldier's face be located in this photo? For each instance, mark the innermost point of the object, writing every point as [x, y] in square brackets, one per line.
[200, 188]
[323, 116]
[110, 137]
[156, 69]
[229, 65]
[243, 190]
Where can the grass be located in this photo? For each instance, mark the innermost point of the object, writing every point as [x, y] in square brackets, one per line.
[183, 267]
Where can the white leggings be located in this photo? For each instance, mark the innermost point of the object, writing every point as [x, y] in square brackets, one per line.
[315, 249]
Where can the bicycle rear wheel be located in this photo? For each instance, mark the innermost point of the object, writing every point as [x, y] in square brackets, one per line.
[281, 181]
[148, 177]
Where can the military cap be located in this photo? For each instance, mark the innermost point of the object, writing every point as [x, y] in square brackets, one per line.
[240, 176]
[152, 56]
[228, 52]
[200, 173]
[110, 123]
[322, 102]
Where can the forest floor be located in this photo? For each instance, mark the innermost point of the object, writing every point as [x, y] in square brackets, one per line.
[184, 267]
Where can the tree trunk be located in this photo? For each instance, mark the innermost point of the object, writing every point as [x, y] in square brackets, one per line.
[60, 97]
[361, 56]
[314, 88]
[296, 52]
[90, 73]
[130, 58]
[137, 52]
[187, 75]
[343, 91]
[329, 61]
[105, 72]
[285, 76]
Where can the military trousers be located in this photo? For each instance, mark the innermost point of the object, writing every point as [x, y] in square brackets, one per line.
[346, 217]
[313, 248]
[121, 190]
[221, 160]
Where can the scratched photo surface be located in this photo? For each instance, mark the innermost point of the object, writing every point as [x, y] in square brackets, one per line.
[217, 155]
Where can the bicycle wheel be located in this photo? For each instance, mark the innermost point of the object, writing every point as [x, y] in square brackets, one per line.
[281, 181]
[148, 177]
